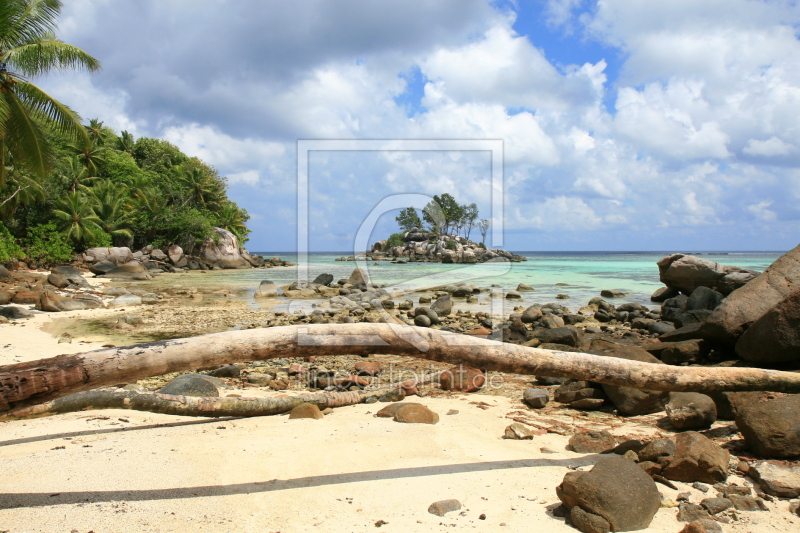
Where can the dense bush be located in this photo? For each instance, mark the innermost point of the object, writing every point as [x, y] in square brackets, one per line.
[8, 246]
[395, 239]
[45, 245]
[450, 244]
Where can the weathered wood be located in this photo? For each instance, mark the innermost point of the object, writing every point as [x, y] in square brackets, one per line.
[25, 384]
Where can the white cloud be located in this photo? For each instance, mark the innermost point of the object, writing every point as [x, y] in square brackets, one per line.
[769, 147]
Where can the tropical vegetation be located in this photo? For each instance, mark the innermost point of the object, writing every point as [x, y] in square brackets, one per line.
[65, 186]
[443, 214]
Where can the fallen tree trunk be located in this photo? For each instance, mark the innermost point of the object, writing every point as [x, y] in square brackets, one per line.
[212, 407]
[34, 382]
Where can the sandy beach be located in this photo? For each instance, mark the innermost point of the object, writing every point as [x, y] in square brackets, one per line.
[127, 471]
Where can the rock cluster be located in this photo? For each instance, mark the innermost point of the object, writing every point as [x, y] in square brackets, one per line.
[419, 245]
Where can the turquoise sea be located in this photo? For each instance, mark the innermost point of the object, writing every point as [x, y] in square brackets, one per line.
[584, 273]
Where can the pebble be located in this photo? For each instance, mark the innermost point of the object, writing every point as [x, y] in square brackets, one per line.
[443, 507]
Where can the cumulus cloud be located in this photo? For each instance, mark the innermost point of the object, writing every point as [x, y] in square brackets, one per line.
[695, 131]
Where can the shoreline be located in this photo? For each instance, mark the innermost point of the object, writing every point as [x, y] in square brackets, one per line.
[348, 471]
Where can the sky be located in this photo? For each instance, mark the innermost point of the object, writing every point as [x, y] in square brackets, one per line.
[667, 125]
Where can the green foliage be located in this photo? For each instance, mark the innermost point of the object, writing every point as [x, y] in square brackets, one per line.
[408, 219]
[395, 239]
[480, 244]
[450, 244]
[44, 244]
[9, 249]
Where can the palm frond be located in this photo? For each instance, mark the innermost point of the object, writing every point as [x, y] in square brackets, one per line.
[25, 20]
[64, 119]
[41, 56]
[24, 139]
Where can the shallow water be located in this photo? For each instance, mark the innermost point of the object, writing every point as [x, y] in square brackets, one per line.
[584, 274]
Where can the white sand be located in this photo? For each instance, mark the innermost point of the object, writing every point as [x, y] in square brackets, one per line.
[125, 471]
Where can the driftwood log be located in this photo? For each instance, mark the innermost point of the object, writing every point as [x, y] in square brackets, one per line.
[35, 382]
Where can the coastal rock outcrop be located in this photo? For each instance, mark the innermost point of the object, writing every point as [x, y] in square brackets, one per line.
[749, 303]
[771, 428]
[116, 255]
[419, 245]
[775, 337]
[224, 249]
[687, 272]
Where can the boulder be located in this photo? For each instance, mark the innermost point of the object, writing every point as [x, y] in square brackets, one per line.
[613, 293]
[675, 353]
[592, 442]
[568, 335]
[462, 379]
[691, 410]
[266, 289]
[358, 277]
[57, 280]
[531, 314]
[391, 409]
[697, 458]
[687, 272]
[775, 336]
[130, 270]
[630, 401]
[703, 298]
[124, 300]
[5, 275]
[101, 267]
[415, 414]
[323, 279]
[517, 431]
[664, 293]
[778, 480]
[443, 305]
[175, 254]
[118, 256]
[306, 410]
[158, 255]
[771, 427]
[443, 507]
[747, 304]
[535, 398]
[52, 302]
[13, 311]
[616, 493]
[524, 287]
[190, 385]
[572, 391]
[5, 296]
[223, 249]
[25, 297]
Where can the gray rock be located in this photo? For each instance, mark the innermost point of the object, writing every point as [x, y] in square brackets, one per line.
[660, 328]
[5, 275]
[703, 298]
[130, 270]
[612, 293]
[101, 267]
[323, 279]
[631, 401]
[223, 248]
[188, 385]
[616, 490]
[524, 287]
[227, 371]
[125, 300]
[443, 507]
[568, 335]
[13, 311]
[535, 398]
[422, 321]
[664, 293]
[267, 289]
[716, 505]
[658, 448]
[687, 272]
[691, 512]
[691, 410]
[531, 314]
[443, 306]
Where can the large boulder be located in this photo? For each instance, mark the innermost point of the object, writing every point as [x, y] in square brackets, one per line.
[631, 401]
[5, 275]
[118, 256]
[749, 303]
[358, 277]
[443, 305]
[130, 270]
[267, 289]
[775, 337]
[697, 458]
[223, 248]
[567, 335]
[52, 302]
[615, 495]
[771, 428]
[687, 272]
[691, 410]
[175, 254]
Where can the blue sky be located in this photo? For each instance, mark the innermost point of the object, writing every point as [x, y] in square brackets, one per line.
[627, 125]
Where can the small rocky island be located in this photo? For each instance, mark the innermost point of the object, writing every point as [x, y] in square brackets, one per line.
[418, 245]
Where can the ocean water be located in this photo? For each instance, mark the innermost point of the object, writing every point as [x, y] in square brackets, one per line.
[581, 275]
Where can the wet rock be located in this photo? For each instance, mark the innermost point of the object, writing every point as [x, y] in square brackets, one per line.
[462, 379]
[771, 427]
[306, 410]
[415, 414]
[358, 277]
[697, 458]
[323, 279]
[535, 398]
[443, 507]
[691, 410]
[443, 306]
[513, 295]
[612, 293]
[266, 289]
[592, 442]
[524, 287]
[422, 321]
[616, 490]
[517, 431]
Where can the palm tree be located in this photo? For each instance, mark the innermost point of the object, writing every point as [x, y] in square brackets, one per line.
[125, 142]
[204, 190]
[95, 131]
[76, 176]
[110, 204]
[90, 153]
[78, 220]
[233, 218]
[29, 48]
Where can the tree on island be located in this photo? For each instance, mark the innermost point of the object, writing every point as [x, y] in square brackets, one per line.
[408, 219]
[483, 227]
[468, 217]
